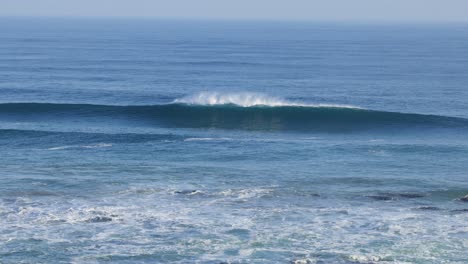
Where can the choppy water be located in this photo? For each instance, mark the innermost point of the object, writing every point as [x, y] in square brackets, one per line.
[229, 142]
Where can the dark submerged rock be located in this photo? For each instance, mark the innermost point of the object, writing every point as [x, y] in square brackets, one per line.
[411, 195]
[459, 211]
[464, 198]
[429, 208]
[99, 219]
[395, 196]
[187, 192]
[380, 197]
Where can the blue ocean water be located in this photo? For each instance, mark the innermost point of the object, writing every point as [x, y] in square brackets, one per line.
[159, 141]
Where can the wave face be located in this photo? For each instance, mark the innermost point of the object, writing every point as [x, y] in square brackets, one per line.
[232, 116]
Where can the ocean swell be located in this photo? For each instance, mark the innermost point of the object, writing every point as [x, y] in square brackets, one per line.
[237, 112]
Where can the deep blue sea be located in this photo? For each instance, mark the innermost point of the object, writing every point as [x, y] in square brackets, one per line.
[165, 141]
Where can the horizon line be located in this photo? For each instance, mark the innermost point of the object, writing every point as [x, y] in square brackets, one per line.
[218, 19]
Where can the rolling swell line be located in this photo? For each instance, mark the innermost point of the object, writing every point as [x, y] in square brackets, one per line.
[25, 137]
[229, 116]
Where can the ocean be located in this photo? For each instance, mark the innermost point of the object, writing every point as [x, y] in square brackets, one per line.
[171, 141]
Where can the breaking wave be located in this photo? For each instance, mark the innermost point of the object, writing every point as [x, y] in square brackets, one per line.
[243, 111]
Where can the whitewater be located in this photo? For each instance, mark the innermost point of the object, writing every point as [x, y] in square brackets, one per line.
[246, 99]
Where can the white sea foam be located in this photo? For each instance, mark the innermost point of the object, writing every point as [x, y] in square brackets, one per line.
[303, 261]
[247, 193]
[364, 259]
[207, 139]
[60, 148]
[307, 229]
[99, 145]
[246, 99]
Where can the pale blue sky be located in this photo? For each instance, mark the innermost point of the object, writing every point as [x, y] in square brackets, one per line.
[352, 10]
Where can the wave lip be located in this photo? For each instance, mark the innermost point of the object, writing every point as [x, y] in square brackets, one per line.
[245, 99]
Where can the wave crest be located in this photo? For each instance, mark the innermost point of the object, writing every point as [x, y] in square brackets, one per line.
[244, 99]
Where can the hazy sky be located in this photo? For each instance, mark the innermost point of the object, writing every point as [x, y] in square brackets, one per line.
[356, 10]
